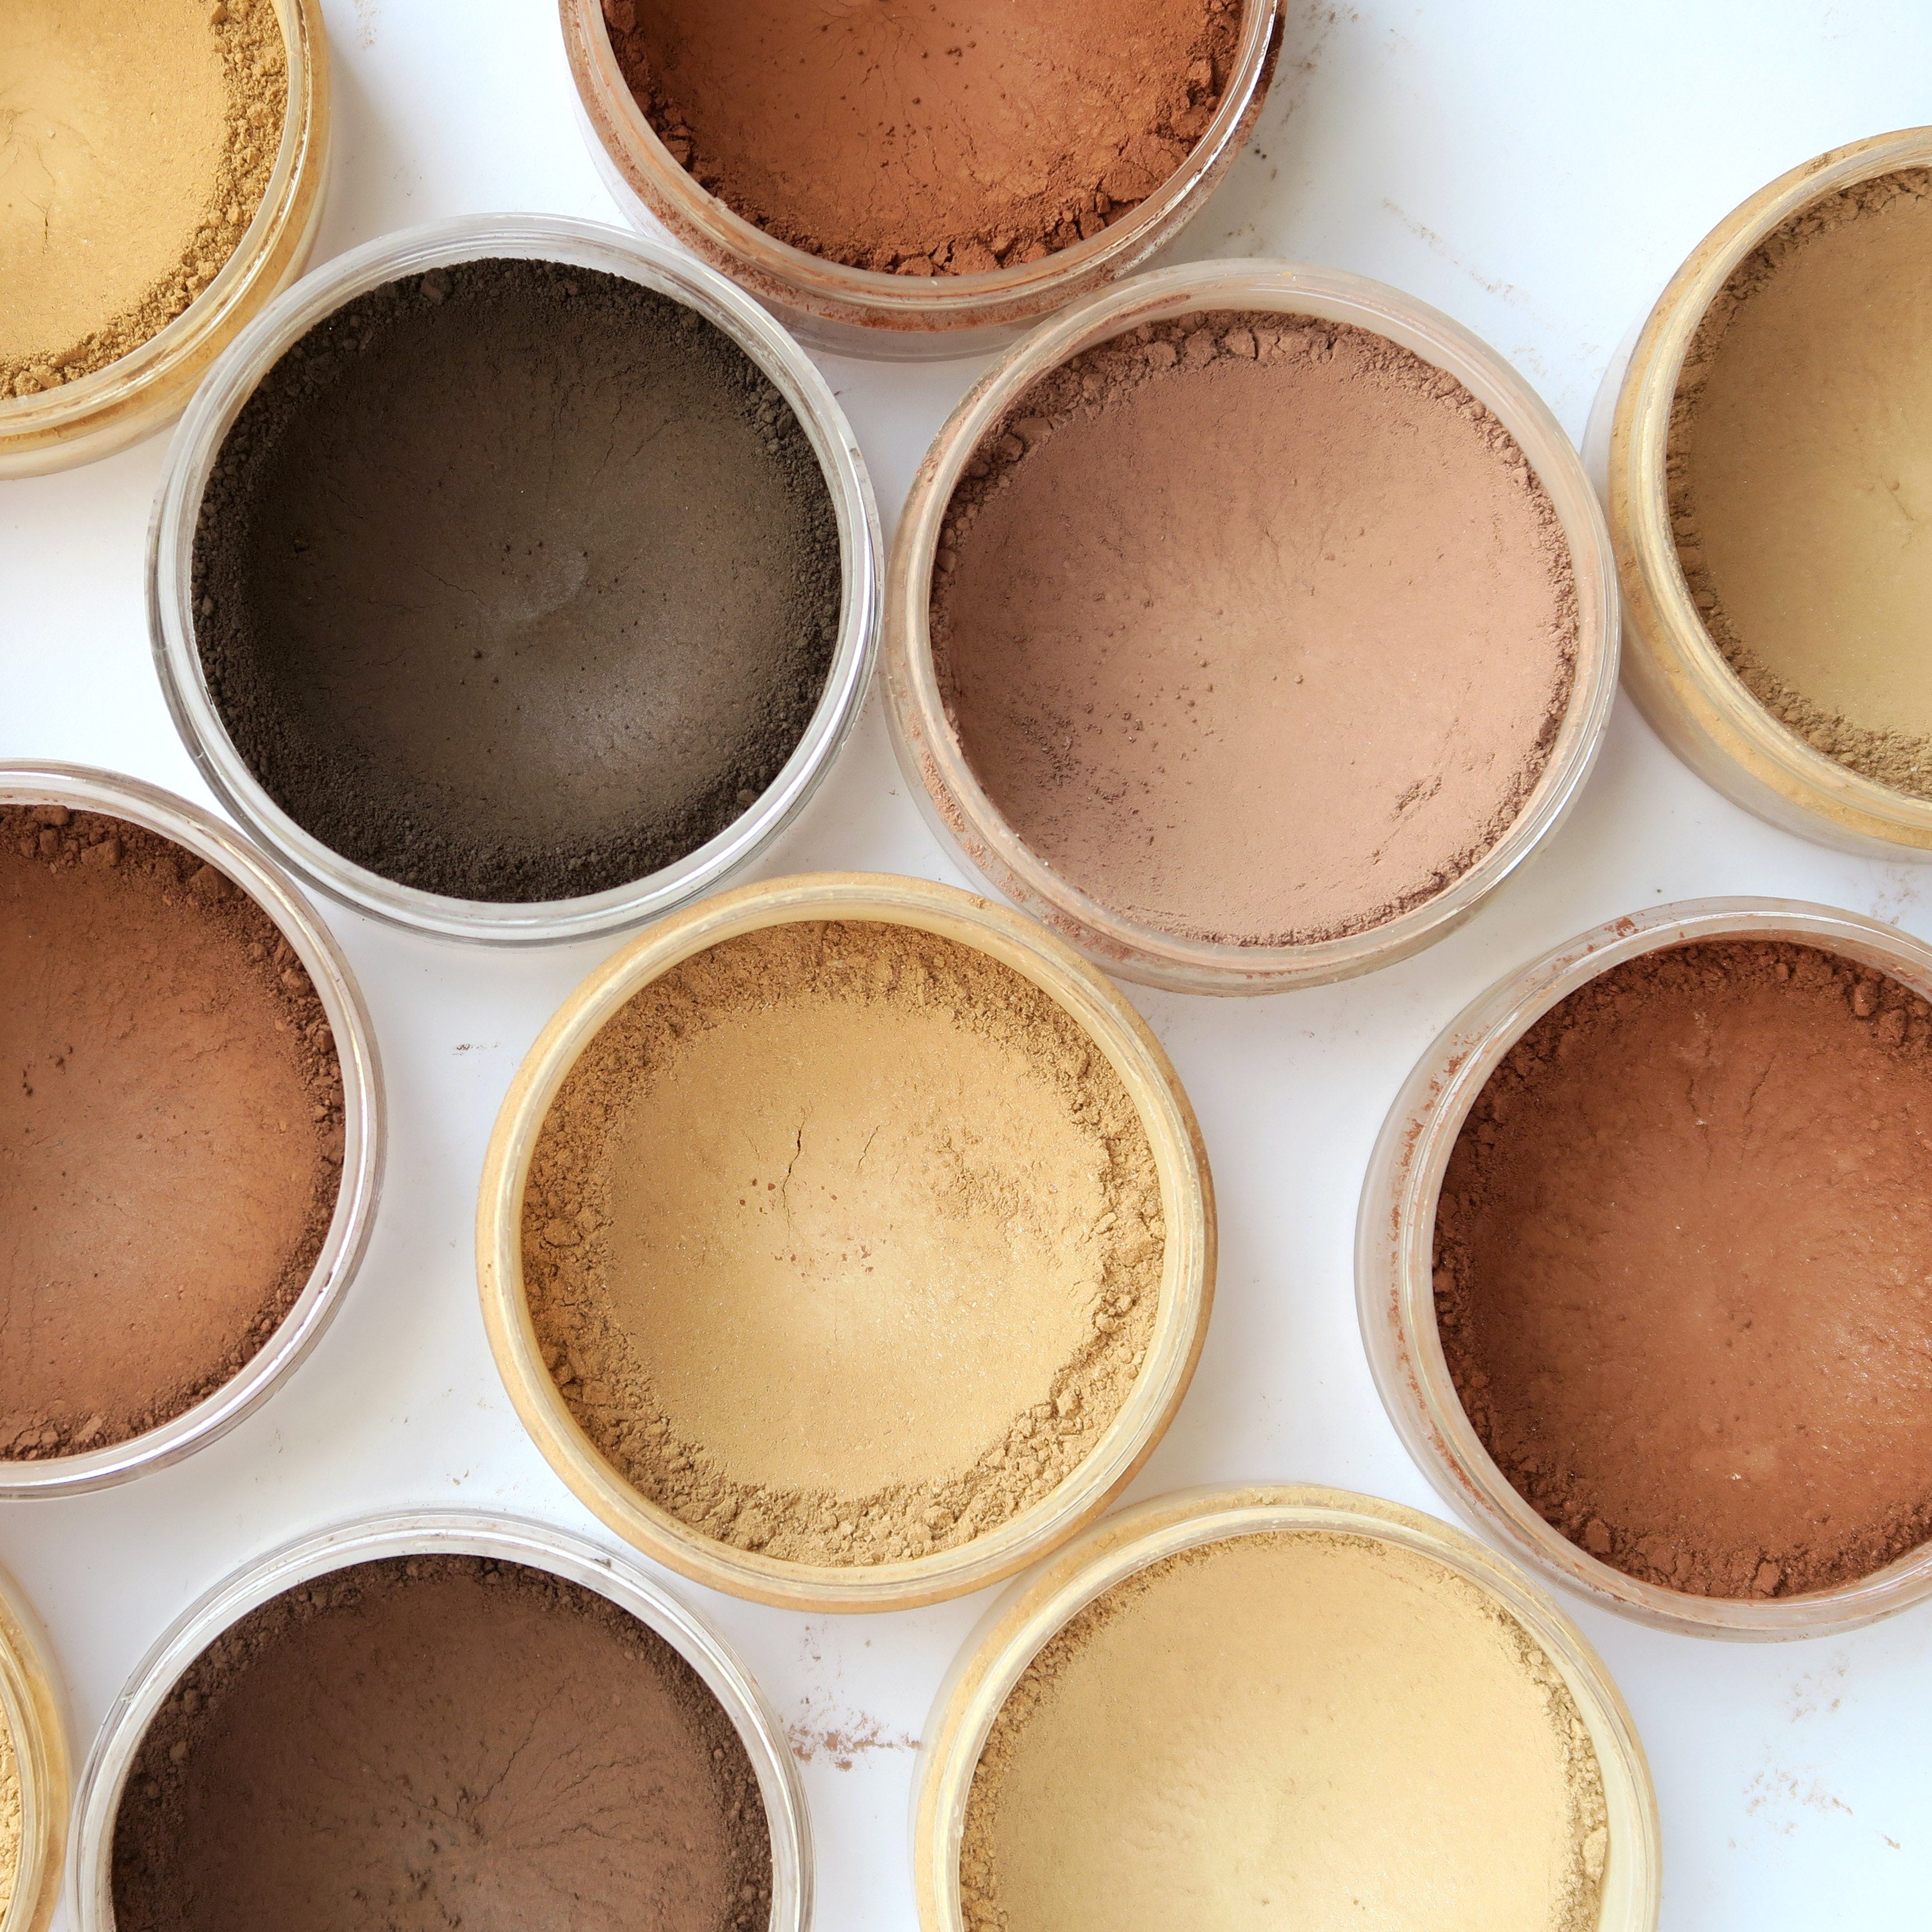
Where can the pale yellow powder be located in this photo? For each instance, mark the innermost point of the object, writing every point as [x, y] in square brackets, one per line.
[1304, 1731]
[9, 1818]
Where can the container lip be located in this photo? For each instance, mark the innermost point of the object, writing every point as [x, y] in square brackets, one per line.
[1038, 1607]
[36, 430]
[85, 788]
[586, 244]
[868, 298]
[33, 1704]
[505, 1537]
[935, 766]
[1838, 802]
[1187, 1276]
[1394, 1245]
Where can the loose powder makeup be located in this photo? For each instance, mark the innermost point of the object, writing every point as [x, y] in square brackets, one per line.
[441, 1741]
[136, 139]
[1319, 1730]
[10, 1817]
[1801, 483]
[925, 137]
[516, 581]
[1683, 1268]
[843, 1242]
[171, 1131]
[1256, 629]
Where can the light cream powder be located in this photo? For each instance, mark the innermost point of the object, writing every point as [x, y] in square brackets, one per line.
[1300, 1729]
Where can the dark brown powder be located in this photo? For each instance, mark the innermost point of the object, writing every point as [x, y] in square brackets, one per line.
[1683, 1268]
[438, 1741]
[171, 1130]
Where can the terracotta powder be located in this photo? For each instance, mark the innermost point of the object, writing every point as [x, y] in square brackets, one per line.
[843, 1242]
[1683, 1268]
[171, 1129]
[928, 137]
[136, 140]
[1256, 629]
[1317, 1730]
[1800, 476]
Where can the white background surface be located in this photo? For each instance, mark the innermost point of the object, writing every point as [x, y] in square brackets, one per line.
[1536, 170]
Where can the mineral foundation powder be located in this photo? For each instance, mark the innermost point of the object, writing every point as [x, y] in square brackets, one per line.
[171, 1129]
[926, 137]
[843, 1242]
[1313, 1729]
[516, 581]
[136, 139]
[1683, 1268]
[1801, 483]
[9, 1818]
[441, 1741]
[1256, 629]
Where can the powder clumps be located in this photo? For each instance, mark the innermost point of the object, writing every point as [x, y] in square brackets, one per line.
[136, 140]
[441, 1741]
[843, 1242]
[1683, 1268]
[171, 1129]
[1317, 1729]
[920, 137]
[1801, 493]
[516, 581]
[1257, 629]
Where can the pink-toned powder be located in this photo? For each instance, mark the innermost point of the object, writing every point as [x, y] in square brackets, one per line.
[1257, 629]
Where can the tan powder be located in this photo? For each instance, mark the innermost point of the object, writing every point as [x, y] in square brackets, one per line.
[1800, 476]
[843, 1242]
[10, 1817]
[1309, 1730]
[136, 140]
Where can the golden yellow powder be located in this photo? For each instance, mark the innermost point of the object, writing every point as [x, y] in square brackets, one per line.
[1302, 1730]
[10, 1817]
[136, 139]
[843, 1242]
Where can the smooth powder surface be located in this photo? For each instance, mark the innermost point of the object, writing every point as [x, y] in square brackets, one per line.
[516, 581]
[1257, 630]
[441, 1741]
[925, 137]
[1292, 1729]
[844, 1241]
[171, 1132]
[1683, 1268]
[1800, 476]
[136, 139]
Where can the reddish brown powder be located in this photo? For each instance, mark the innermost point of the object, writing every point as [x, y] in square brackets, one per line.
[1683, 1268]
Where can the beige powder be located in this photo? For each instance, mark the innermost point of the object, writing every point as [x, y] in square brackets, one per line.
[1303, 1730]
[10, 1817]
[136, 138]
[843, 1242]
[1800, 476]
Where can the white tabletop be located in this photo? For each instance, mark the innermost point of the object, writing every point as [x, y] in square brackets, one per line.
[1538, 171]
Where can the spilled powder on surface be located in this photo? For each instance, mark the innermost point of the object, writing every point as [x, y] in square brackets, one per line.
[1297, 1728]
[843, 1242]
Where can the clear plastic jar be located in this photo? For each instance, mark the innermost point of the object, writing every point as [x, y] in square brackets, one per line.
[81, 789]
[943, 782]
[33, 1706]
[1681, 680]
[145, 388]
[436, 1533]
[1395, 1258]
[1187, 1271]
[585, 244]
[862, 312]
[1013, 1632]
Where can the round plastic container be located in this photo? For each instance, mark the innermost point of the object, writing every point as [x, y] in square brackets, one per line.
[1187, 1275]
[439, 1533]
[33, 1709]
[1017, 1627]
[862, 312]
[81, 789]
[584, 244]
[936, 770]
[132, 398]
[1394, 1262]
[1698, 704]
